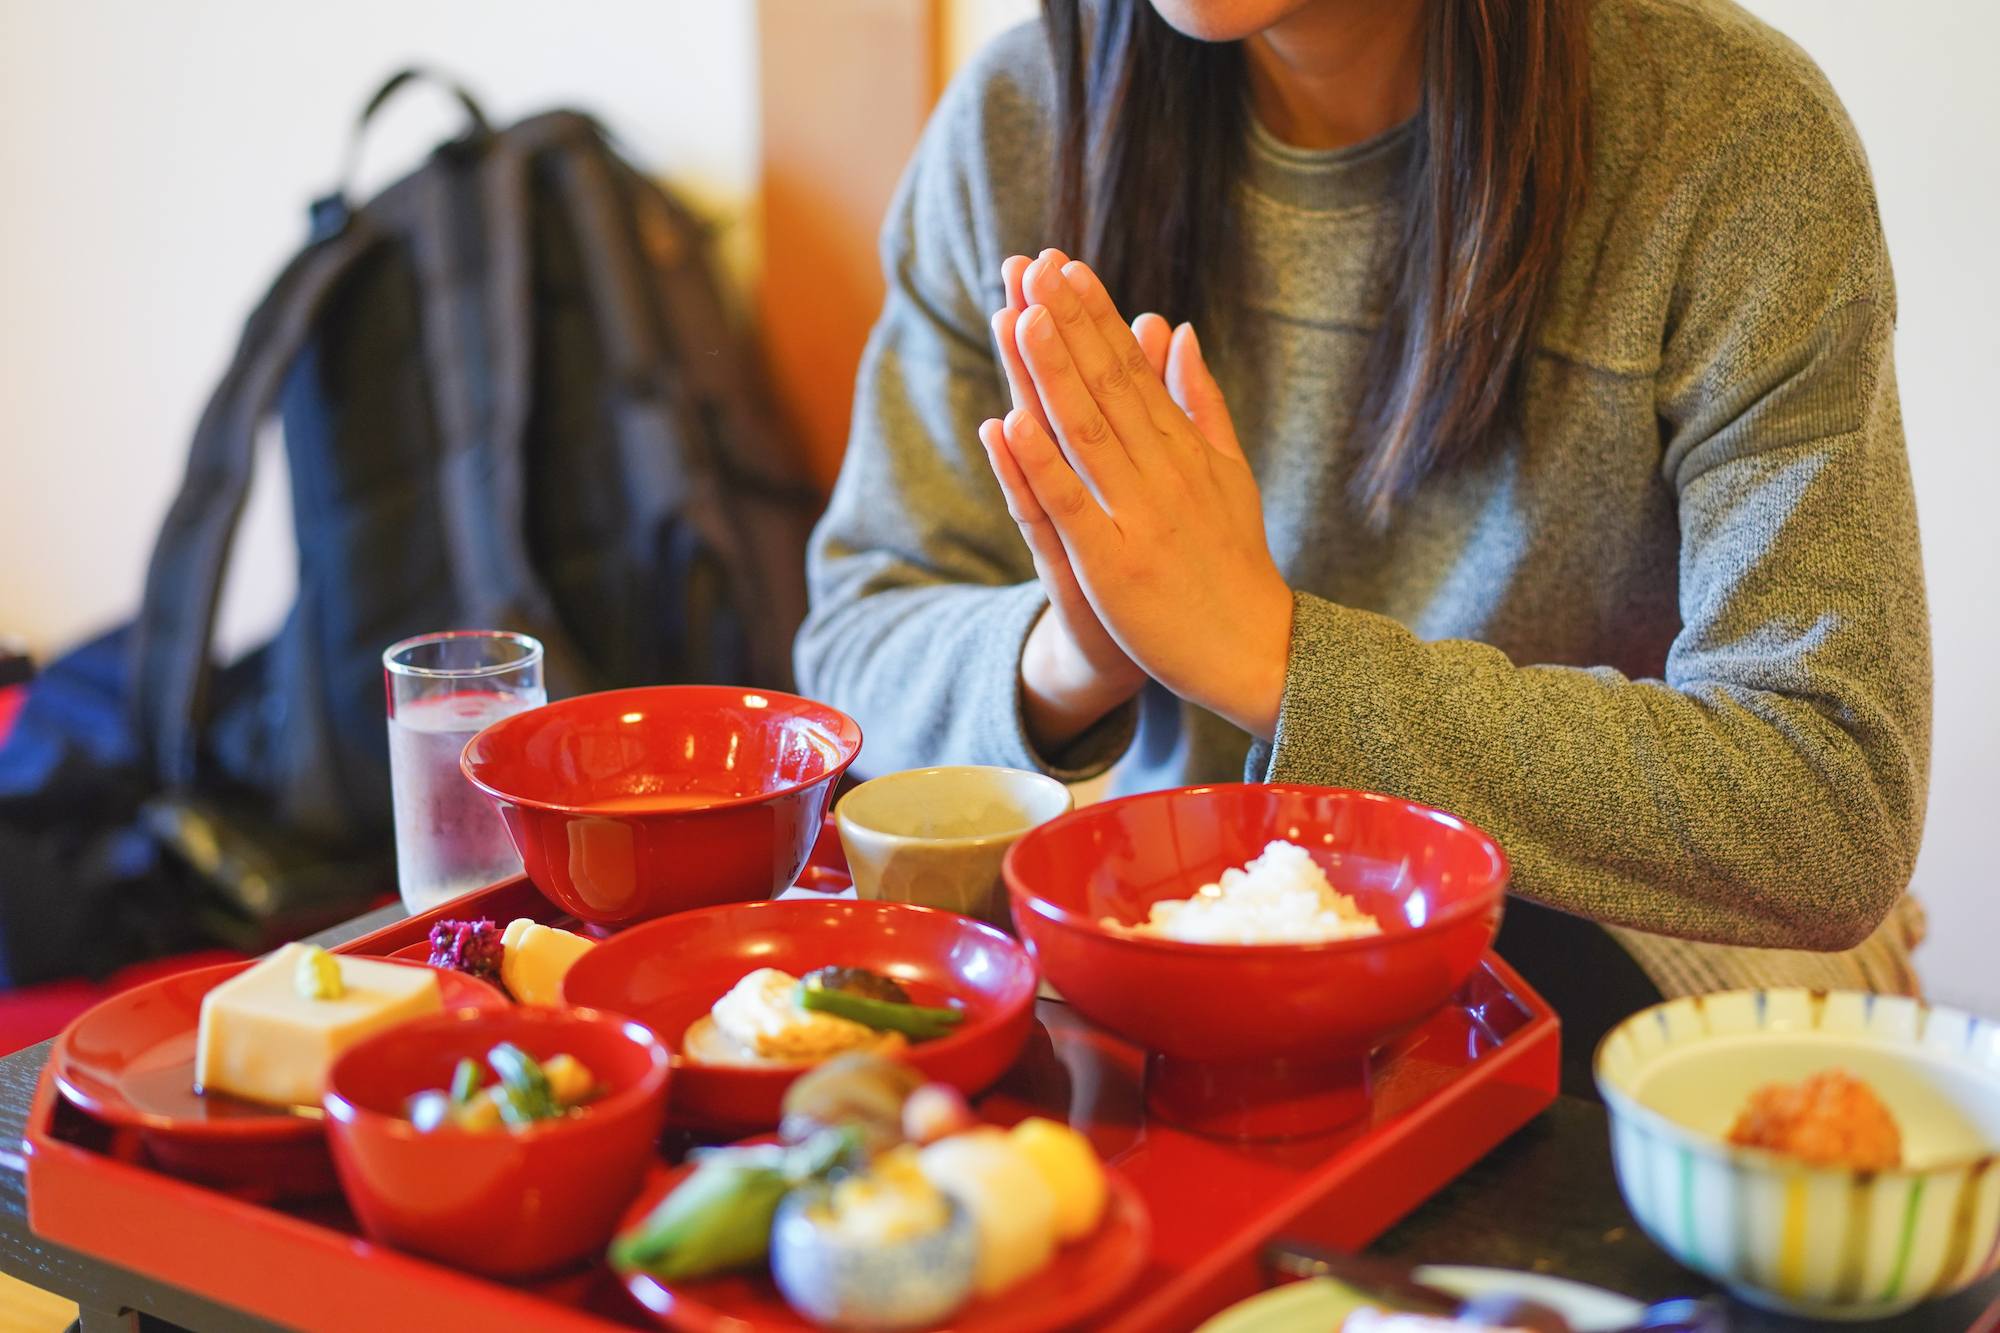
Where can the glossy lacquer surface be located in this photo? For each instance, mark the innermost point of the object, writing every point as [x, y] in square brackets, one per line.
[129, 1062]
[498, 1202]
[668, 973]
[1257, 1040]
[631, 804]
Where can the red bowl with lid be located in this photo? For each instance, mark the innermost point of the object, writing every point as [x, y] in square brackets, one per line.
[632, 804]
[668, 973]
[503, 1203]
[1257, 1040]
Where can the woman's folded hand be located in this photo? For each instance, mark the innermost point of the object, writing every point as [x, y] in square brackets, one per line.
[1132, 490]
[1072, 671]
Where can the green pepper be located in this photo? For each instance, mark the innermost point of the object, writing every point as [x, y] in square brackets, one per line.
[523, 1094]
[719, 1217]
[913, 1021]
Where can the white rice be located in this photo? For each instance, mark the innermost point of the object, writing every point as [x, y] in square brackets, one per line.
[1282, 897]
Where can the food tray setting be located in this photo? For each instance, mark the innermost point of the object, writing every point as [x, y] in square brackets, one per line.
[1438, 1098]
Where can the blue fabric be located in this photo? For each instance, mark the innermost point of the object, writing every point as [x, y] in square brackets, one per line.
[76, 703]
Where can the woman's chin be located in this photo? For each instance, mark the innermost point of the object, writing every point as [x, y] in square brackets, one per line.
[1225, 20]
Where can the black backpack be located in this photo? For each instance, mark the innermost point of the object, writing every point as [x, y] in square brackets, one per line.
[511, 399]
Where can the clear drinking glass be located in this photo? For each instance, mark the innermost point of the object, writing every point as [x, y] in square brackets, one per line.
[442, 689]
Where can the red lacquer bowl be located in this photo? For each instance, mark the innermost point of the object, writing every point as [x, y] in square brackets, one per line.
[499, 1203]
[631, 804]
[1256, 1041]
[668, 973]
[1081, 1280]
[129, 1062]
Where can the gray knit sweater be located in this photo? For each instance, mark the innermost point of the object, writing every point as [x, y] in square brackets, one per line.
[1668, 646]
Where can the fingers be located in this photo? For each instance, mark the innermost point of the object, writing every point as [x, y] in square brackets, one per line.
[1153, 334]
[1122, 341]
[1022, 506]
[1011, 269]
[1116, 374]
[1054, 486]
[1090, 443]
[1020, 384]
[1045, 545]
[1194, 389]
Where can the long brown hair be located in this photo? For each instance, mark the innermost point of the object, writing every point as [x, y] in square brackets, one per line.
[1152, 142]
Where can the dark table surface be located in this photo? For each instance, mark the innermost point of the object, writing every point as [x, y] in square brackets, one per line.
[1544, 1201]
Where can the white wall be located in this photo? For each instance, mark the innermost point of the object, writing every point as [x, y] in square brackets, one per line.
[1917, 77]
[156, 161]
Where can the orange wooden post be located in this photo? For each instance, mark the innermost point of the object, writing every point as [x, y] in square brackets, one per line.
[846, 86]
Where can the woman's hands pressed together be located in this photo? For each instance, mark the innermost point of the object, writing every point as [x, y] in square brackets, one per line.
[1122, 468]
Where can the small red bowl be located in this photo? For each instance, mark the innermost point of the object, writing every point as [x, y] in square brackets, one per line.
[632, 804]
[499, 1203]
[1262, 1040]
[129, 1062]
[668, 973]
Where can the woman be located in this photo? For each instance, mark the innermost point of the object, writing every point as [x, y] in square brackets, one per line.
[1543, 463]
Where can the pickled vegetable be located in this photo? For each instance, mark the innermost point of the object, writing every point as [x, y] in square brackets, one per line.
[528, 1091]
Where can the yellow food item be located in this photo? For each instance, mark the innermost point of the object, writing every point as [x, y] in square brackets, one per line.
[1012, 1207]
[570, 1080]
[480, 1115]
[761, 1022]
[1070, 1167]
[534, 959]
[262, 1040]
[318, 975]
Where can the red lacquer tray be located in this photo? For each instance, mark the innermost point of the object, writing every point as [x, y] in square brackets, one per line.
[1442, 1096]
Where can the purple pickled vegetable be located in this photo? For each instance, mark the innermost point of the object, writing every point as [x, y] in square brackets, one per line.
[472, 947]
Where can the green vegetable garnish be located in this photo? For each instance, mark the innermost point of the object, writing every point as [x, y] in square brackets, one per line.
[466, 1080]
[523, 1094]
[720, 1216]
[913, 1021]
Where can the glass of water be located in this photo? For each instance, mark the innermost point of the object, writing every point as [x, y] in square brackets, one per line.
[442, 689]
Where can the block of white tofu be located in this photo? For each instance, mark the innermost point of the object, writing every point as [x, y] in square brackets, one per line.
[535, 958]
[262, 1040]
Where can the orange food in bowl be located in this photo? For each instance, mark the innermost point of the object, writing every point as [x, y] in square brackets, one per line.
[1830, 1119]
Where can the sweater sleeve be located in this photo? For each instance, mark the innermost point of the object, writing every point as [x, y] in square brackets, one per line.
[923, 591]
[1768, 791]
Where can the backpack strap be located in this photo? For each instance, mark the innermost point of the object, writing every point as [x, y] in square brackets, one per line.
[477, 129]
[170, 647]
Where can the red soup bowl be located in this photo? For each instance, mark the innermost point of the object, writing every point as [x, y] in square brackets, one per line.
[668, 973]
[498, 1202]
[631, 804]
[1256, 1040]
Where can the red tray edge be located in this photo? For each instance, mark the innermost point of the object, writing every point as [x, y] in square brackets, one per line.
[1409, 1168]
[1524, 1072]
[267, 1263]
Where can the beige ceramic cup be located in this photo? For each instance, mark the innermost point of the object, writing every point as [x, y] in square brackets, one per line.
[935, 836]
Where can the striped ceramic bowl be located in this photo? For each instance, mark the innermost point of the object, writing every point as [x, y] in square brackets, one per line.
[1826, 1243]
